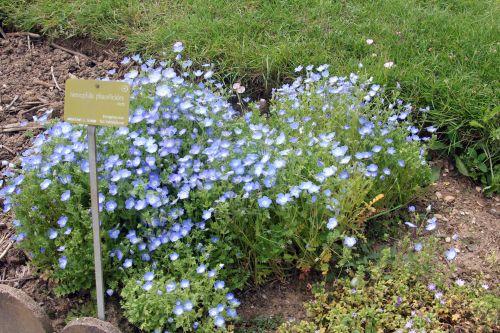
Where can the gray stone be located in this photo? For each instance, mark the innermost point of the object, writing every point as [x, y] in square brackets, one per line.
[90, 325]
[19, 313]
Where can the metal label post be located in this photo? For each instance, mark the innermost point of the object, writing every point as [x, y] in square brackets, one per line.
[94, 196]
[102, 103]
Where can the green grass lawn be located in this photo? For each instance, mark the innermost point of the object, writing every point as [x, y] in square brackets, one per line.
[445, 52]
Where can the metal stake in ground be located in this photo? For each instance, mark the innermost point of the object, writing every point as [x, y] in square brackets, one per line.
[96, 103]
[94, 196]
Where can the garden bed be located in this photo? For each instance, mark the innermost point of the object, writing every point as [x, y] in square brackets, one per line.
[473, 217]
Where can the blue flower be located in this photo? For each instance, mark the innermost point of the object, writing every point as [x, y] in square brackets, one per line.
[350, 241]
[418, 247]
[178, 47]
[147, 285]
[344, 174]
[52, 233]
[283, 199]
[431, 224]
[163, 91]
[231, 313]
[184, 284]
[450, 254]
[207, 214]
[170, 287]
[62, 221]
[264, 202]
[45, 184]
[178, 310]
[65, 195]
[127, 263]
[332, 223]
[431, 129]
[219, 321]
[63, 261]
[201, 269]
[188, 306]
[113, 233]
[219, 284]
[111, 205]
[149, 276]
[411, 225]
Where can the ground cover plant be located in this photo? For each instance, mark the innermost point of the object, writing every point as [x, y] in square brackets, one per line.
[197, 198]
[406, 289]
[442, 53]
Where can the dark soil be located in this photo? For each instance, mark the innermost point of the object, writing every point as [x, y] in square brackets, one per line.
[28, 90]
[462, 210]
[282, 300]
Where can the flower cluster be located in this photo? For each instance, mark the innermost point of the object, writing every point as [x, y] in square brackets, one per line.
[190, 186]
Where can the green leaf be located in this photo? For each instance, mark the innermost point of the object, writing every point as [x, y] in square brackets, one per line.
[483, 167]
[475, 123]
[435, 173]
[482, 157]
[461, 167]
[472, 152]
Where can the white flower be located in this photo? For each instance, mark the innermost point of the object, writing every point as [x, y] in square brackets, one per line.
[369, 41]
[239, 88]
[350, 241]
[389, 64]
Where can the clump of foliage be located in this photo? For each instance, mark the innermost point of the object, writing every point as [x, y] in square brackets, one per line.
[195, 198]
[403, 291]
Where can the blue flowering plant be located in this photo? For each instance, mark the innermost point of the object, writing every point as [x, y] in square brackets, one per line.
[192, 193]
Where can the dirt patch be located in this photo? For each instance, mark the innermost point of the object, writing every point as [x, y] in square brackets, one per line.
[283, 301]
[32, 76]
[462, 210]
[29, 70]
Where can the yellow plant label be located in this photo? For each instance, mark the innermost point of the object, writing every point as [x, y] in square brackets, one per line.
[98, 103]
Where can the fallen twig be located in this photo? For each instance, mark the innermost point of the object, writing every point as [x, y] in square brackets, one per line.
[29, 277]
[11, 125]
[43, 83]
[54, 45]
[17, 34]
[8, 149]
[6, 250]
[33, 108]
[32, 102]
[44, 101]
[20, 128]
[12, 102]
[54, 78]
